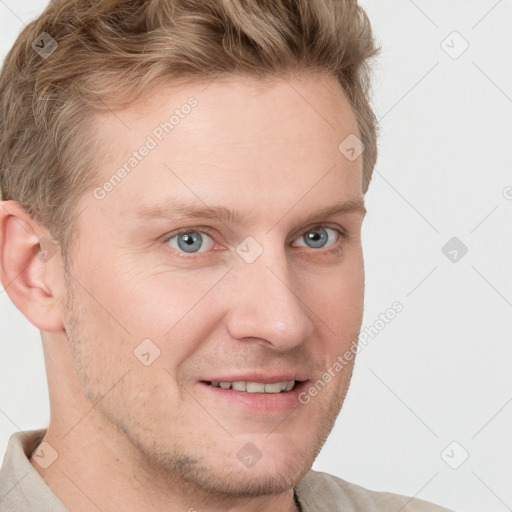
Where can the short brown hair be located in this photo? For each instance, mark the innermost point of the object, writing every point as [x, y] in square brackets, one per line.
[110, 52]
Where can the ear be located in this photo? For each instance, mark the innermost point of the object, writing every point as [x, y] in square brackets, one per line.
[31, 267]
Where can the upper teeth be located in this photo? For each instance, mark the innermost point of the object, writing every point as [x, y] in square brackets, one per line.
[255, 387]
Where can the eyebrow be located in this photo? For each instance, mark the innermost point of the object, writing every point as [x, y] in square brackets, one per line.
[174, 209]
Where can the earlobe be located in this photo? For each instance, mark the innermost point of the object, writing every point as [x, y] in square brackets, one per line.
[29, 264]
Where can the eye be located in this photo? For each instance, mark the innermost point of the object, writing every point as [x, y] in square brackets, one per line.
[318, 237]
[191, 241]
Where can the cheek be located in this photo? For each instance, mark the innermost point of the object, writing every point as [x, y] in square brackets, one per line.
[336, 294]
[98, 346]
[178, 311]
[153, 301]
[336, 298]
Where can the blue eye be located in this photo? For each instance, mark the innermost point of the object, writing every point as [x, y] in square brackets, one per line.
[317, 238]
[191, 241]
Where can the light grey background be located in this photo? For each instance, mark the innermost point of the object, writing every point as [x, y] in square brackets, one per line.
[440, 371]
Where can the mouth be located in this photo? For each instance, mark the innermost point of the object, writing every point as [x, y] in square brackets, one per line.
[255, 396]
[255, 387]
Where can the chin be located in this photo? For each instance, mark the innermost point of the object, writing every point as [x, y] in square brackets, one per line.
[272, 478]
[236, 468]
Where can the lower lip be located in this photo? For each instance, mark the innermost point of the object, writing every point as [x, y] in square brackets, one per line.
[258, 402]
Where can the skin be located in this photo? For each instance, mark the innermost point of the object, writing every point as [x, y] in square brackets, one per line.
[135, 437]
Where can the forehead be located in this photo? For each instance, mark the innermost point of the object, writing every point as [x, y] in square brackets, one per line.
[235, 134]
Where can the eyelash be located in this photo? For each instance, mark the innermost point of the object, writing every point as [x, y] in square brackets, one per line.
[337, 249]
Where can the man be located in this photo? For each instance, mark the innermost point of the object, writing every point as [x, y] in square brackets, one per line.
[183, 192]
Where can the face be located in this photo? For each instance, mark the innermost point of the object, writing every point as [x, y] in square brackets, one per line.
[263, 288]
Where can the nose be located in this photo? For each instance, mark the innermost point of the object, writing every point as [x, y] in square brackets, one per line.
[266, 306]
